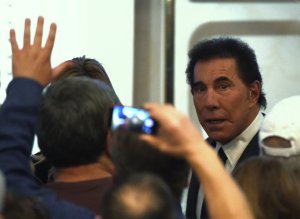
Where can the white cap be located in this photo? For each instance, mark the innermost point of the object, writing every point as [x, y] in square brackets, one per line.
[282, 121]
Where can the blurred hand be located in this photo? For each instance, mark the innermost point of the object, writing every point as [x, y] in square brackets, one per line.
[33, 61]
[176, 135]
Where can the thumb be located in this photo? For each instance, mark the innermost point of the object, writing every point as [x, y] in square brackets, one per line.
[58, 70]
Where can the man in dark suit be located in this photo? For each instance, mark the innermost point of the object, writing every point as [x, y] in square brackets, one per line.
[226, 85]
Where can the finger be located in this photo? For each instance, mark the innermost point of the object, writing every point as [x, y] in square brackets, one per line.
[13, 42]
[58, 70]
[26, 40]
[154, 141]
[51, 38]
[160, 113]
[148, 105]
[38, 37]
[152, 107]
[158, 144]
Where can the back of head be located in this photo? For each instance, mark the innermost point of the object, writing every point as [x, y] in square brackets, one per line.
[280, 131]
[270, 188]
[227, 47]
[72, 126]
[131, 155]
[142, 196]
[18, 206]
[86, 67]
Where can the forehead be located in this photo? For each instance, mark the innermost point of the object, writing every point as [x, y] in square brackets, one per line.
[216, 68]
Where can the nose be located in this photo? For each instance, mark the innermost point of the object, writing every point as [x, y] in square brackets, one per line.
[211, 100]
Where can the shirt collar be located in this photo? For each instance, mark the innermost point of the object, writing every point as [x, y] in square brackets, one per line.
[236, 147]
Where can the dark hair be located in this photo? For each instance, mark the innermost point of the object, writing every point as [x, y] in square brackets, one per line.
[141, 196]
[292, 164]
[87, 67]
[226, 47]
[272, 191]
[18, 206]
[72, 125]
[131, 155]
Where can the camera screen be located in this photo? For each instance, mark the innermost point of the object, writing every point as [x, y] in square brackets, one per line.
[132, 119]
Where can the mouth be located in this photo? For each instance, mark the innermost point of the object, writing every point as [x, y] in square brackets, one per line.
[214, 124]
[214, 121]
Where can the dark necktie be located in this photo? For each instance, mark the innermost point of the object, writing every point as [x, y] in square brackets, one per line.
[222, 155]
[204, 213]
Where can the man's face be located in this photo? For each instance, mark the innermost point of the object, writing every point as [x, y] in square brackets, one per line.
[224, 104]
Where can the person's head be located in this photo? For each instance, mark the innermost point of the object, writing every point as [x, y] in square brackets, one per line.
[141, 196]
[72, 127]
[18, 206]
[130, 155]
[280, 131]
[226, 85]
[87, 67]
[279, 135]
[272, 191]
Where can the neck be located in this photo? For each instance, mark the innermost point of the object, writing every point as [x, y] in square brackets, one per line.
[85, 172]
[253, 115]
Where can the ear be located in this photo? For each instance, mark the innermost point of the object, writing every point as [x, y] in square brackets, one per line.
[254, 92]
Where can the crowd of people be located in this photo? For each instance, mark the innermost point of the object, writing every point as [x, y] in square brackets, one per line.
[246, 168]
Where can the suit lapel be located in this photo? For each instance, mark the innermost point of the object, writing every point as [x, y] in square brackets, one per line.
[192, 197]
[251, 150]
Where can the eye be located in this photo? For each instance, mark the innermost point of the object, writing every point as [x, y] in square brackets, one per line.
[223, 86]
[198, 89]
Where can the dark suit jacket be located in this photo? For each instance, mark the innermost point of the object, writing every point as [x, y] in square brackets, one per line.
[251, 150]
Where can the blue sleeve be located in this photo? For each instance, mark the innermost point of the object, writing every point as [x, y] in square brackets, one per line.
[18, 118]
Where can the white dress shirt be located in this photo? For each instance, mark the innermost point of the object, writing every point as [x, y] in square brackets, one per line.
[233, 151]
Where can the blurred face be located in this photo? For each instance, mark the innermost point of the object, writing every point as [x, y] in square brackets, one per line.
[224, 104]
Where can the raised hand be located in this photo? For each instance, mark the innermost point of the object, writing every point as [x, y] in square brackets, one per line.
[177, 135]
[33, 61]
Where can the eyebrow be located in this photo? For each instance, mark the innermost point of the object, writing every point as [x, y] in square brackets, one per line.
[197, 83]
[222, 78]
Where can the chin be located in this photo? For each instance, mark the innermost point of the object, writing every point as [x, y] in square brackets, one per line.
[219, 138]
